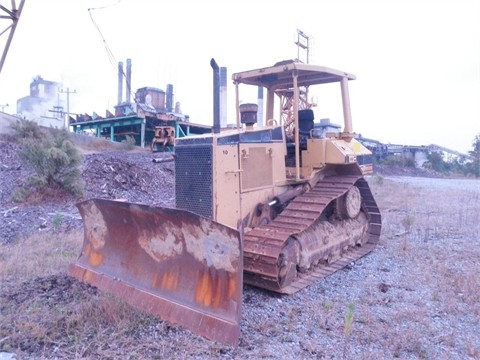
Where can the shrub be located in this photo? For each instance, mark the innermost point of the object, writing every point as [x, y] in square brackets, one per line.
[52, 156]
[399, 160]
[23, 129]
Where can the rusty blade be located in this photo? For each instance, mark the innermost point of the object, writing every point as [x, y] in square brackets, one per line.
[182, 267]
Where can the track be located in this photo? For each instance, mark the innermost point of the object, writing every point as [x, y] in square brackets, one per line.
[271, 251]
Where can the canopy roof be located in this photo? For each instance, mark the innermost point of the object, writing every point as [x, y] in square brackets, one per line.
[280, 76]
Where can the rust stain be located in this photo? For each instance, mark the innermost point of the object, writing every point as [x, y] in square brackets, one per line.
[155, 281]
[87, 277]
[217, 292]
[169, 281]
[214, 291]
[204, 290]
[94, 258]
[232, 286]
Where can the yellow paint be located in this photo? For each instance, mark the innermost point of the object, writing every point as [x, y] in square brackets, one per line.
[357, 147]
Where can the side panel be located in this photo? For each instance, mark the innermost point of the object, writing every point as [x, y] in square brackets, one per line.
[262, 176]
[257, 166]
[227, 185]
[321, 152]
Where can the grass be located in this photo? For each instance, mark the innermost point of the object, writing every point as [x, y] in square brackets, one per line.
[41, 254]
[427, 262]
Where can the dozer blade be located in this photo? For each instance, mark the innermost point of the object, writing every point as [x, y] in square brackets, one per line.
[182, 267]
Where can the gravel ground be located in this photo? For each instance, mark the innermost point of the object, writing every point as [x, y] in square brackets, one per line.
[417, 296]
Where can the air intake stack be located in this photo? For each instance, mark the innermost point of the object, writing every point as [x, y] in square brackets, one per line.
[248, 114]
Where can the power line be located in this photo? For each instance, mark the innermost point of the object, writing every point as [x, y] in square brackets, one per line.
[113, 61]
[110, 55]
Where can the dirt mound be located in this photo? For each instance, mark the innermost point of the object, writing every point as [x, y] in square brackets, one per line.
[111, 174]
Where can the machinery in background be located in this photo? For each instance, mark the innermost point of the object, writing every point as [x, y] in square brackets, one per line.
[163, 139]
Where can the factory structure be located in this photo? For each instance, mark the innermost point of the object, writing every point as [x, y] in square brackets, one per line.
[144, 119]
[43, 104]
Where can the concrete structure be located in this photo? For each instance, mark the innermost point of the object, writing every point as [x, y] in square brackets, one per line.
[43, 105]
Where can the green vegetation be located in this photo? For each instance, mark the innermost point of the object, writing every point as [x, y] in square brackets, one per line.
[52, 155]
[475, 155]
[464, 165]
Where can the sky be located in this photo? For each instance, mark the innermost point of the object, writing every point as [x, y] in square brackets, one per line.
[417, 62]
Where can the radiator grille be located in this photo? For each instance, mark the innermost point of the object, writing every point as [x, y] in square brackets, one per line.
[194, 179]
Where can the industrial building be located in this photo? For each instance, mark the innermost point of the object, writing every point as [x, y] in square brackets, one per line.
[152, 108]
[42, 104]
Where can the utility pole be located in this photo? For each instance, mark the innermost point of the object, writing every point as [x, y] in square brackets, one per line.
[3, 106]
[68, 92]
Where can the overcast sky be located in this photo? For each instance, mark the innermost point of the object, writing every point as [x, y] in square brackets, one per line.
[417, 62]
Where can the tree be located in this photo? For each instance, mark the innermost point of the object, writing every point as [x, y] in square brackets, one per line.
[475, 154]
[435, 159]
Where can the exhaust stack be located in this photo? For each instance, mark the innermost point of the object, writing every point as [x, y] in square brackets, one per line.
[223, 97]
[120, 83]
[129, 80]
[169, 104]
[216, 96]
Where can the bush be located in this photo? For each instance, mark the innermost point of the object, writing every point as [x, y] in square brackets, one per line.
[52, 155]
[399, 160]
[24, 129]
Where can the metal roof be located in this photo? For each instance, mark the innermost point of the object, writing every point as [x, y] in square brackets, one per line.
[280, 76]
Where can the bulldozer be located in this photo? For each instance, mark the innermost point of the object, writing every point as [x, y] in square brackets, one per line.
[164, 136]
[276, 206]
